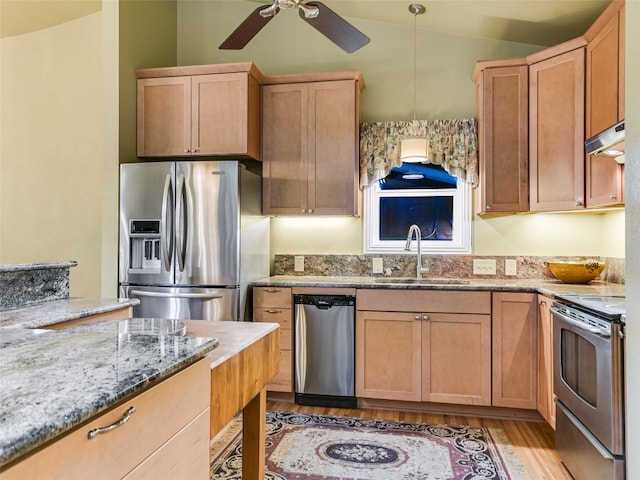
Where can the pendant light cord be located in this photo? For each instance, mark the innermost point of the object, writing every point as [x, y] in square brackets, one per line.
[415, 63]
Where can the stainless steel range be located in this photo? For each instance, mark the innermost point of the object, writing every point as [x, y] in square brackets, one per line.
[588, 354]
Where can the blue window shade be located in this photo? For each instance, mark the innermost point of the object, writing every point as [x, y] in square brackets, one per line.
[434, 216]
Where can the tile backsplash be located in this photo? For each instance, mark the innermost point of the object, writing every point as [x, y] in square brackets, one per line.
[440, 266]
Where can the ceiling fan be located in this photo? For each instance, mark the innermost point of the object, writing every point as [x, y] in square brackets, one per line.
[316, 14]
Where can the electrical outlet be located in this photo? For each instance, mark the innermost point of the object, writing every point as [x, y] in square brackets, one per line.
[484, 267]
[298, 263]
[510, 267]
[377, 266]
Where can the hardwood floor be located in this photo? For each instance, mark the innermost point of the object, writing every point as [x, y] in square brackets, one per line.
[533, 441]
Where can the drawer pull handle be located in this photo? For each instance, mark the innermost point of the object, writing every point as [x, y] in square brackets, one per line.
[273, 311]
[125, 418]
[272, 290]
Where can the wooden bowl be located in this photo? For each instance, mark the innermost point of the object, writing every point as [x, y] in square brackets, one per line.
[576, 272]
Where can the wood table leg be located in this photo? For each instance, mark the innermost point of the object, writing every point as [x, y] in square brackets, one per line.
[254, 421]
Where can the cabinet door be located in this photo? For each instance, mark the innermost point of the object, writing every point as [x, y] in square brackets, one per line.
[456, 358]
[515, 347]
[284, 148]
[546, 397]
[333, 148]
[164, 116]
[388, 363]
[503, 114]
[604, 175]
[220, 114]
[556, 129]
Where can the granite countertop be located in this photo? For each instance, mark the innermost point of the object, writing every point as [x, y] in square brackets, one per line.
[552, 288]
[57, 311]
[20, 267]
[51, 381]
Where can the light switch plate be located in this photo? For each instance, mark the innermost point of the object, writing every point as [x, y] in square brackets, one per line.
[377, 265]
[510, 267]
[298, 263]
[484, 267]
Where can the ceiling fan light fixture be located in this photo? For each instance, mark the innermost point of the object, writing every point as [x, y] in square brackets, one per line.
[309, 10]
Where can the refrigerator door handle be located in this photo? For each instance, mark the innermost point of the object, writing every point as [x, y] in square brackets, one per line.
[166, 232]
[141, 293]
[181, 223]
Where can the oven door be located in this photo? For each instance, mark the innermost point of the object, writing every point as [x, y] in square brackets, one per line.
[588, 377]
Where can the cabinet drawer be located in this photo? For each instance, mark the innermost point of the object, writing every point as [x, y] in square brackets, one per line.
[273, 315]
[160, 414]
[185, 456]
[272, 297]
[424, 301]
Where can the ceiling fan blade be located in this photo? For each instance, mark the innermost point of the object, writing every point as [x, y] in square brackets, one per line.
[335, 28]
[247, 30]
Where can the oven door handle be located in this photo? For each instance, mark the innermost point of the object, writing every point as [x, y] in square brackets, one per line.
[582, 326]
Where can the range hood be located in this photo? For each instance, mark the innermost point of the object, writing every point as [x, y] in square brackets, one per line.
[609, 143]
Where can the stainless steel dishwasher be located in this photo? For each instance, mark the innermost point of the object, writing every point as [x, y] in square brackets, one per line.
[324, 350]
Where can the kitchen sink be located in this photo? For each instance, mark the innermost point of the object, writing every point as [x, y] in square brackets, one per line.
[423, 281]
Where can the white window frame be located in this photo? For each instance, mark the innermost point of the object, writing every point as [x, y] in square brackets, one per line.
[462, 226]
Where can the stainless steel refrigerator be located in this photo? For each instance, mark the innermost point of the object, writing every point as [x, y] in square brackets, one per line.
[192, 239]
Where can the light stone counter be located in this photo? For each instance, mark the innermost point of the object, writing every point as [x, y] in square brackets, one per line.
[51, 312]
[546, 287]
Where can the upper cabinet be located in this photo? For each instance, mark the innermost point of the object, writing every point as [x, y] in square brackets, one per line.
[605, 102]
[199, 110]
[556, 128]
[502, 96]
[310, 144]
[575, 90]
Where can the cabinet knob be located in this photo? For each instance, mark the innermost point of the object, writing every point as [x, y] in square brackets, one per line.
[488, 207]
[186, 150]
[417, 317]
[425, 317]
[579, 203]
[612, 197]
[302, 210]
[310, 210]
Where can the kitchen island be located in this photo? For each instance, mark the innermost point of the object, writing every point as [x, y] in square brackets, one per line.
[56, 383]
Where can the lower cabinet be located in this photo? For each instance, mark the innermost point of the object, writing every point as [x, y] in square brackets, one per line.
[167, 436]
[432, 346]
[274, 305]
[546, 397]
[515, 350]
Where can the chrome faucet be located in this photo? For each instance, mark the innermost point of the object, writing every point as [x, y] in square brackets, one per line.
[415, 229]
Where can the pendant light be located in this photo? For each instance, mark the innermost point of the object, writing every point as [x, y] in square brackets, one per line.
[414, 149]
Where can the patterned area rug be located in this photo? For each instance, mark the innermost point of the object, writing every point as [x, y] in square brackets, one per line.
[319, 447]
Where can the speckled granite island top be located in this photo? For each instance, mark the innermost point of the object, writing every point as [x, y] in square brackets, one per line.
[58, 311]
[550, 288]
[51, 381]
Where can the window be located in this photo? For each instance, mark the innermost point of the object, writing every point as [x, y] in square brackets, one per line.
[424, 195]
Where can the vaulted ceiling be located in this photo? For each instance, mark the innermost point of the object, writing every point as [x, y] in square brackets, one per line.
[537, 22]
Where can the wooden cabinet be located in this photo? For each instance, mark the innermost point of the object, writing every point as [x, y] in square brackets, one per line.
[432, 346]
[274, 305]
[546, 397]
[515, 347]
[310, 144]
[199, 111]
[556, 127]
[605, 102]
[167, 436]
[502, 107]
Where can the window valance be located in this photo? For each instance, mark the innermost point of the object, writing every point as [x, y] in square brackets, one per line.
[452, 144]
